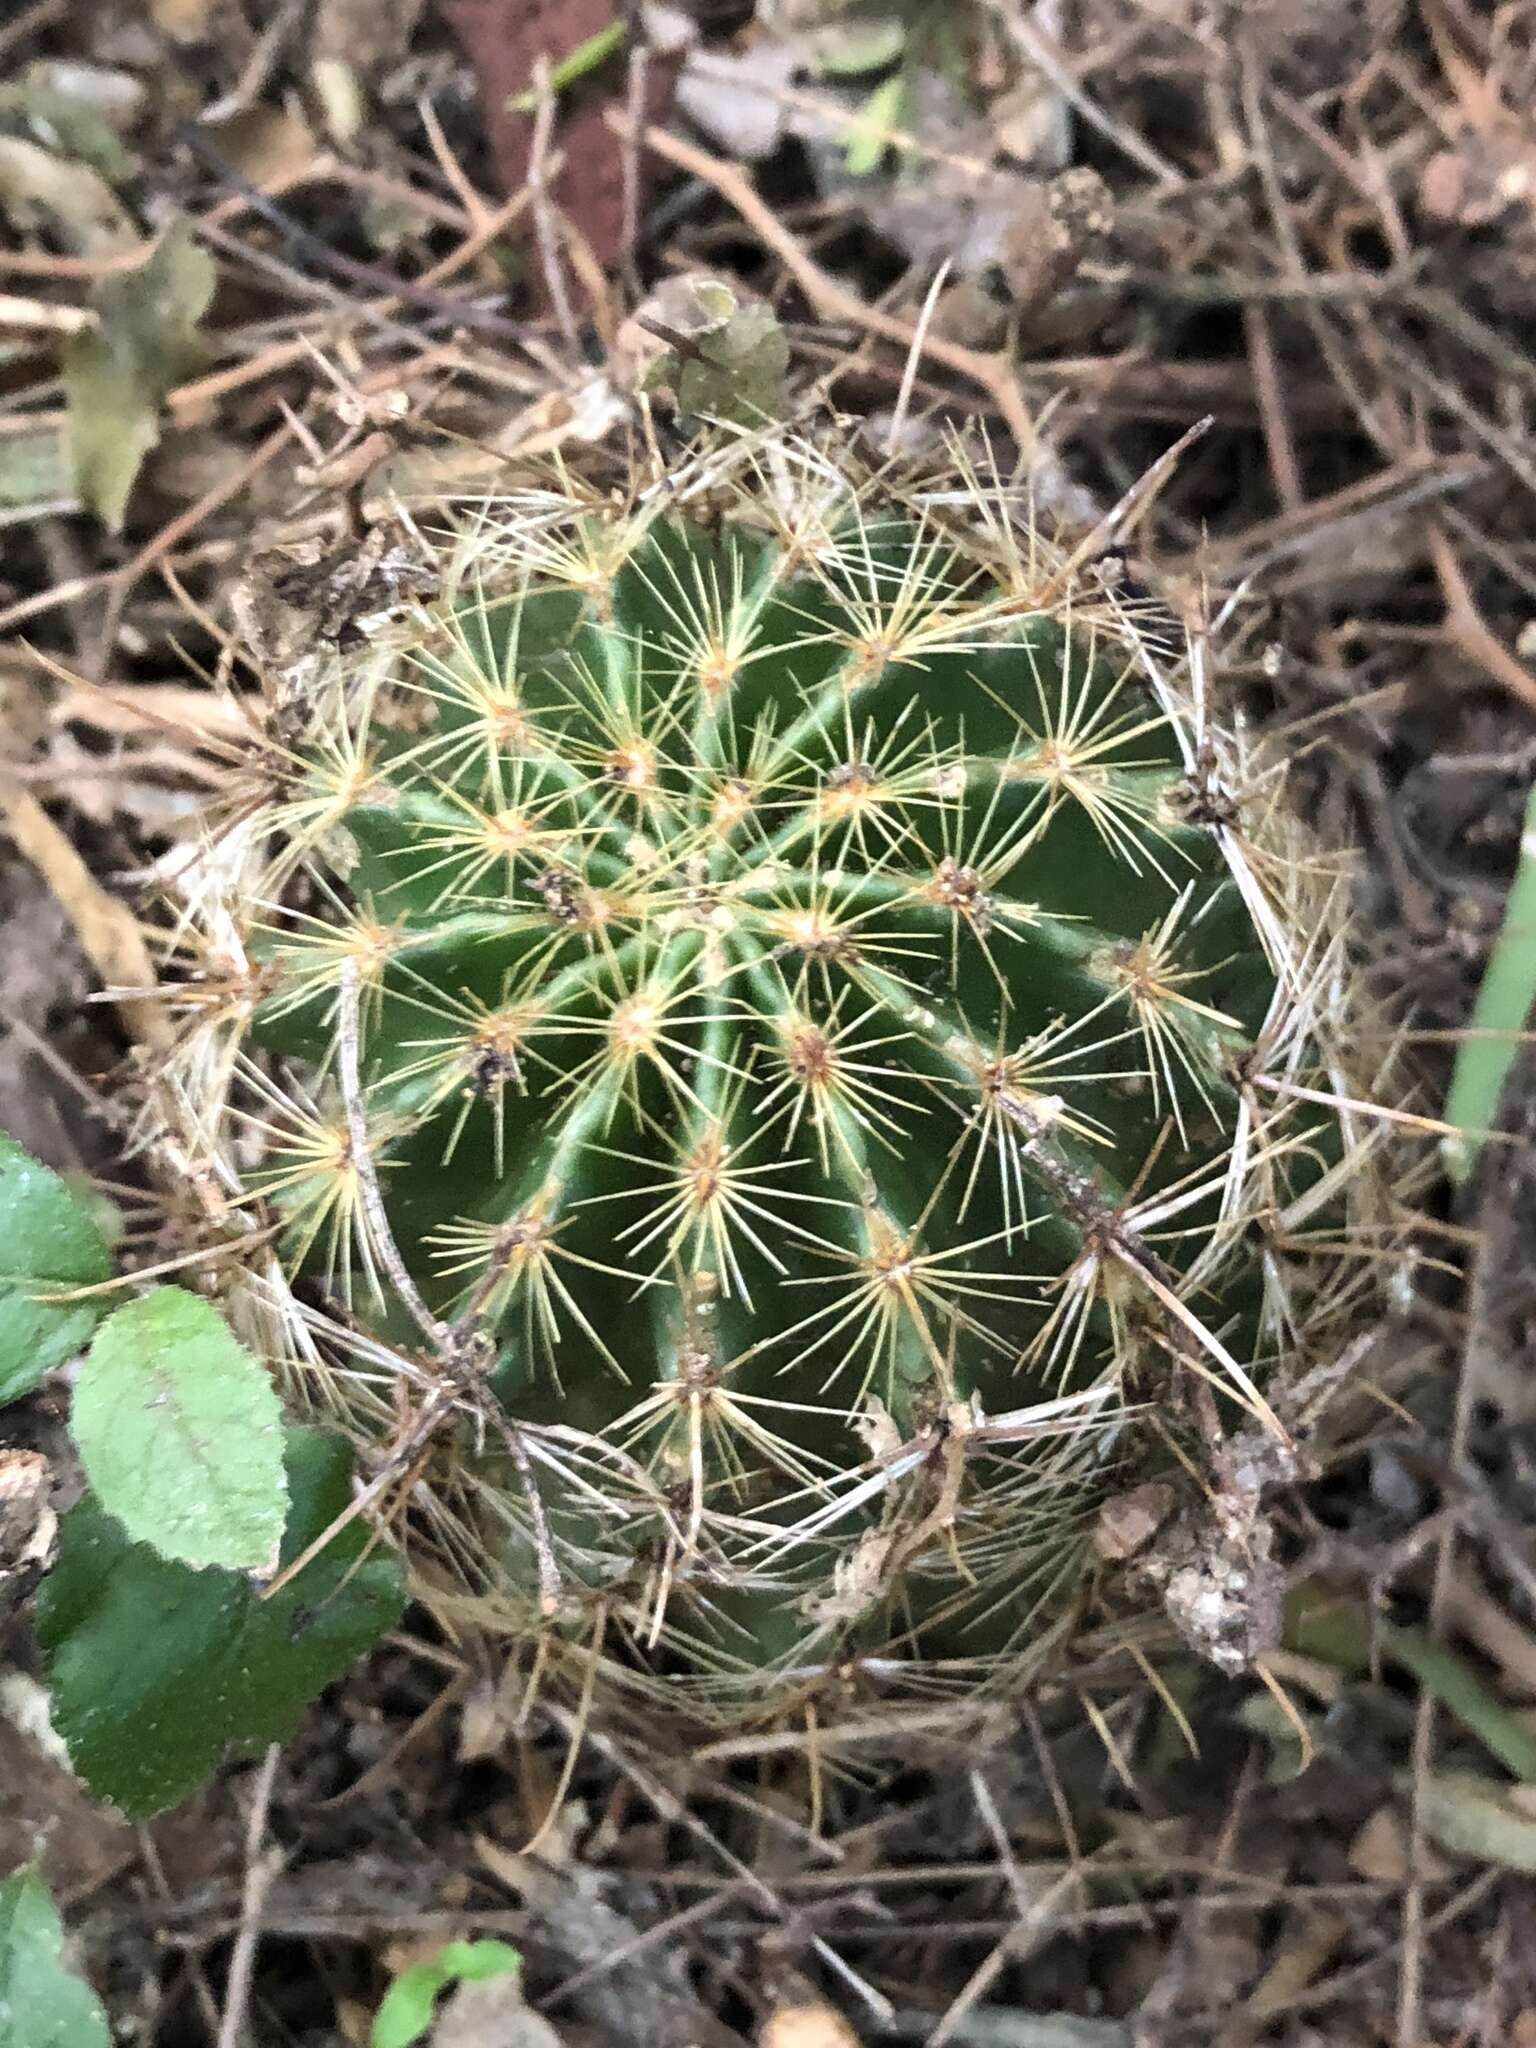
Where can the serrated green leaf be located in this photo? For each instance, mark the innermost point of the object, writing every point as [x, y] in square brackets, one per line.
[48, 1241]
[157, 1670]
[42, 2004]
[405, 2011]
[181, 1434]
[117, 373]
[731, 362]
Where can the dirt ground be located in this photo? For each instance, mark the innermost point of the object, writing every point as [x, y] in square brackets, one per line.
[1309, 231]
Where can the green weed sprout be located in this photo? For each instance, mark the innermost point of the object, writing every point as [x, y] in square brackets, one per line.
[793, 1045]
[1499, 1018]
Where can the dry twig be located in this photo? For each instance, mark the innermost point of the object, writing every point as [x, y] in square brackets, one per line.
[261, 1868]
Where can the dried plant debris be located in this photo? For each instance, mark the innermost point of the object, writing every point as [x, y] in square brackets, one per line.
[28, 1524]
[44, 976]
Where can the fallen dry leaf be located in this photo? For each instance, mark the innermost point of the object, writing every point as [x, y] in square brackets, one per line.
[41, 190]
[366, 34]
[1380, 1850]
[107, 929]
[28, 1524]
[807, 2026]
[183, 20]
[737, 97]
[491, 2014]
[1129, 1521]
[1306, 1946]
[1474, 1815]
[46, 1813]
[267, 145]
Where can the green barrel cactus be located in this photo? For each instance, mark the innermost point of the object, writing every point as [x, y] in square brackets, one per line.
[788, 1051]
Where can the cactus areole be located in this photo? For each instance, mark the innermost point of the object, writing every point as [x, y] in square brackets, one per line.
[779, 1015]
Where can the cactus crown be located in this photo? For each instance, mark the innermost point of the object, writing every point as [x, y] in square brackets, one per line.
[832, 1016]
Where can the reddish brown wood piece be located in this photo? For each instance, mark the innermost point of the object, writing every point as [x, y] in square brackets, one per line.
[504, 40]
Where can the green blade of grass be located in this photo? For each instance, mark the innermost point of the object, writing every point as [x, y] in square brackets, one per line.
[1498, 1017]
[1345, 1633]
[586, 56]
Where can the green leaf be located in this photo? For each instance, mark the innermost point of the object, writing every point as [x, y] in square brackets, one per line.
[405, 2012]
[156, 1670]
[42, 2005]
[1477, 1816]
[57, 104]
[117, 373]
[181, 1433]
[48, 1241]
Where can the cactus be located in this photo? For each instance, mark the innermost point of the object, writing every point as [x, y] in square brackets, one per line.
[797, 988]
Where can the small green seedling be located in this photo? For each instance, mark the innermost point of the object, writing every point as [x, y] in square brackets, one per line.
[406, 2011]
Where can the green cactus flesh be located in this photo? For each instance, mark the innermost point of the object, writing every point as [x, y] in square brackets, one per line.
[818, 1017]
